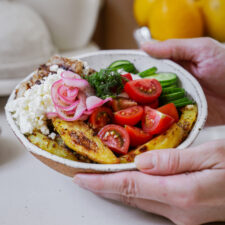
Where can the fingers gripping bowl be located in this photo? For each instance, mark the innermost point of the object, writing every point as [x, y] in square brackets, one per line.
[97, 61]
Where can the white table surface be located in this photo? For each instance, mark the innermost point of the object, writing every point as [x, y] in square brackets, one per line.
[31, 193]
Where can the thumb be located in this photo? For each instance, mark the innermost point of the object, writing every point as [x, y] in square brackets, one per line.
[175, 49]
[175, 161]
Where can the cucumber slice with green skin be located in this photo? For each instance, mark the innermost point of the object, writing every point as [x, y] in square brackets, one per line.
[172, 97]
[175, 85]
[171, 90]
[148, 72]
[182, 102]
[165, 78]
[166, 85]
[118, 63]
[124, 65]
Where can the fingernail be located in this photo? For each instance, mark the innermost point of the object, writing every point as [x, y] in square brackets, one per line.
[145, 161]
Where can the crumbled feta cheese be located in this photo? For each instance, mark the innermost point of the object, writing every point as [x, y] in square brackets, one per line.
[30, 110]
[54, 68]
[52, 136]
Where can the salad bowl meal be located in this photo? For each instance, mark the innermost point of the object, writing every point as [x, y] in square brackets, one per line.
[96, 113]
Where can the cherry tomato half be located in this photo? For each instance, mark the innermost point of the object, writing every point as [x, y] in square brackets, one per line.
[122, 103]
[137, 136]
[155, 122]
[143, 90]
[154, 104]
[126, 77]
[100, 117]
[115, 137]
[171, 110]
[129, 116]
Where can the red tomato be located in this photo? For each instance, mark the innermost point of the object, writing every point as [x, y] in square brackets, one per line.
[155, 104]
[100, 117]
[143, 90]
[115, 137]
[126, 77]
[171, 110]
[155, 122]
[137, 136]
[129, 116]
[122, 103]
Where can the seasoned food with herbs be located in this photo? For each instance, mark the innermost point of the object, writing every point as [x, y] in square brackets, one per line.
[107, 116]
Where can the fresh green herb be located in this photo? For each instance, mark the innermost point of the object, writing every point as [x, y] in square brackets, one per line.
[106, 82]
[124, 65]
[148, 72]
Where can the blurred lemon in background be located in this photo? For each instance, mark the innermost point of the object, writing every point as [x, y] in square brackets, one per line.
[142, 10]
[214, 15]
[175, 19]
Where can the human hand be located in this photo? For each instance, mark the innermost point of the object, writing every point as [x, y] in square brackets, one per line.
[205, 59]
[186, 186]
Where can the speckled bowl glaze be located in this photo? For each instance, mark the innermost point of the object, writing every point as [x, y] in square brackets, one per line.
[102, 59]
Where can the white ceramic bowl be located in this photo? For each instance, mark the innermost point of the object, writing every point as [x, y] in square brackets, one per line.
[142, 61]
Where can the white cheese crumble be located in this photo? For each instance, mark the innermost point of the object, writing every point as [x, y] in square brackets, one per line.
[52, 136]
[29, 111]
[54, 68]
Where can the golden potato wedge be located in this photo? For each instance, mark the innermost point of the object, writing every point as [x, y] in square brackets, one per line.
[169, 139]
[188, 118]
[80, 138]
[51, 146]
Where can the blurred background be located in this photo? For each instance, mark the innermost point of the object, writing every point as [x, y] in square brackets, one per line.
[34, 30]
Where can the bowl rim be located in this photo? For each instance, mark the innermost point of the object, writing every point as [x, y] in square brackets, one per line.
[113, 167]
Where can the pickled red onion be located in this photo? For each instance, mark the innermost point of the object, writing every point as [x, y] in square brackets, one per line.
[93, 102]
[73, 80]
[78, 83]
[72, 92]
[69, 96]
[66, 95]
[81, 107]
[69, 74]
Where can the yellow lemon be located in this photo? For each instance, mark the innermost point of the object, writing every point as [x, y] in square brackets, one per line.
[175, 19]
[142, 10]
[214, 15]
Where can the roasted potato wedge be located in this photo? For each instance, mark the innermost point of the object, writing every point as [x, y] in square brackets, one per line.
[80, 138]
[188, 118]
[169, 139]
[51, 146]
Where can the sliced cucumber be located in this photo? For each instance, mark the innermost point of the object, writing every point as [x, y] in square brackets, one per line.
[182, 102]
[148, 72]
[172, 96]
[171, 90]
[165, 78]
[124, 65]
[175, 85]
[166, 85]
[118, 63]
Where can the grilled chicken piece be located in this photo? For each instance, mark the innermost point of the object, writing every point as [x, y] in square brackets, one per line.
[71, 64]
[80, 138]
[170, 138]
